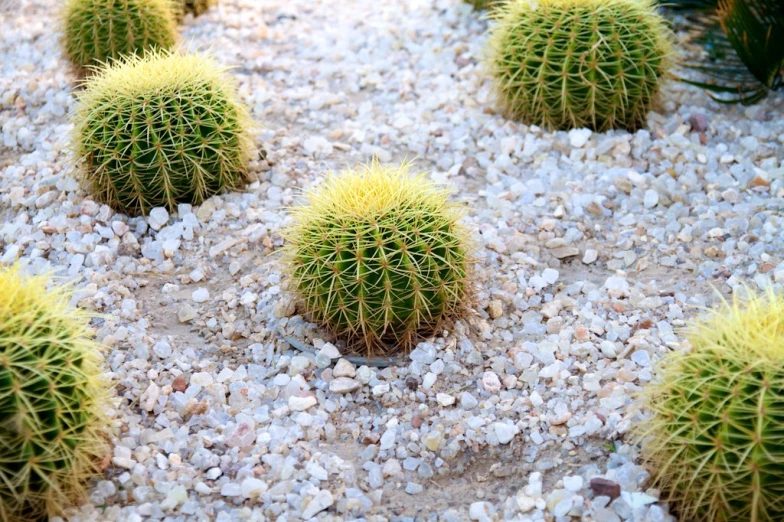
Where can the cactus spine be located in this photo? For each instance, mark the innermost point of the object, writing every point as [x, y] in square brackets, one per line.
[52, 400]
[378, 256]
[715, 437]
[578, 63]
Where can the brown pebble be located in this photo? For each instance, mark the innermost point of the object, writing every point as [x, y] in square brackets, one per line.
[179, 384]
[416, 422]
[605, 488]
[698, 122]
[412, 383]
[759, 182]
[582, 333]
[645, 324]
[766, 267]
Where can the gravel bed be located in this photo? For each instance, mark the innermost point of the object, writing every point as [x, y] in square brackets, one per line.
[594, 249]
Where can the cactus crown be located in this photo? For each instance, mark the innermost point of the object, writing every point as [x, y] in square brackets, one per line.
[578, 63]
[52, 400]
[99, 31]
[715, 438]
[379, 256]
[160, 130]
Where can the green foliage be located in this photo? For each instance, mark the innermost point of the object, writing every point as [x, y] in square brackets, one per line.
[99, 31]
[578, 63]
[715, 439]
[161, 130]
[52, 403]
[378, 256]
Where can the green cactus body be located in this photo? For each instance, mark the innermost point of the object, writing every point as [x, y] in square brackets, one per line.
[161, 130]
[99, 31]
[715, 437]
[484, 4]
[378, 256]
[52, 403]
[198, 7]
[195, 7]
[567, 64]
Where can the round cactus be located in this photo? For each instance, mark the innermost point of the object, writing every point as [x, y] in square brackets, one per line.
[715, 436]
[484, 4]
[196, 7]
[379, 256]
[99, 31]
[52, 401]
[160, 130]
[578, 63]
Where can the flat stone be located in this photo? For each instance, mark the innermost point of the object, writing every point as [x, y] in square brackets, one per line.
[330, 350]
[505, 432]
[444, 399]
[343, 368]
[564, 252]
[302, 403]
[344, 385]
[200, 295]
[149, 397]
[603, 487]
[579, 137]
[321, 501]
[590, 256]
[495, 309]
[186, 313]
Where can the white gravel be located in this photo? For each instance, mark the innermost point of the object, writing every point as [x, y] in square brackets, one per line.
[596, 248]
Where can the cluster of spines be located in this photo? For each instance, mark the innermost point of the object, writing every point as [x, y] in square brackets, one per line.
[52, 400]
[578, 63]
[715, 435]
[100, 31]
[160, 130]
[379, 256]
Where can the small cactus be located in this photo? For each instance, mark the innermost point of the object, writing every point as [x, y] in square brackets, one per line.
[484, 4]
[379, 256]
[196, 7]
[99, 31]
[715, 436]
[52, 400]
[566, 64]
[161, 130]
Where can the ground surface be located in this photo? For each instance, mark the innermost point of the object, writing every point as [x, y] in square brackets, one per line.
[510, 415]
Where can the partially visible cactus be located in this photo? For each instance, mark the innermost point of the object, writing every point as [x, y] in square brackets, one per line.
[195, 7]
[161, 130]
[99, 31]
[578, 63]
[52, 400]
[715, 436]
[379, 256]
[484, 4]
